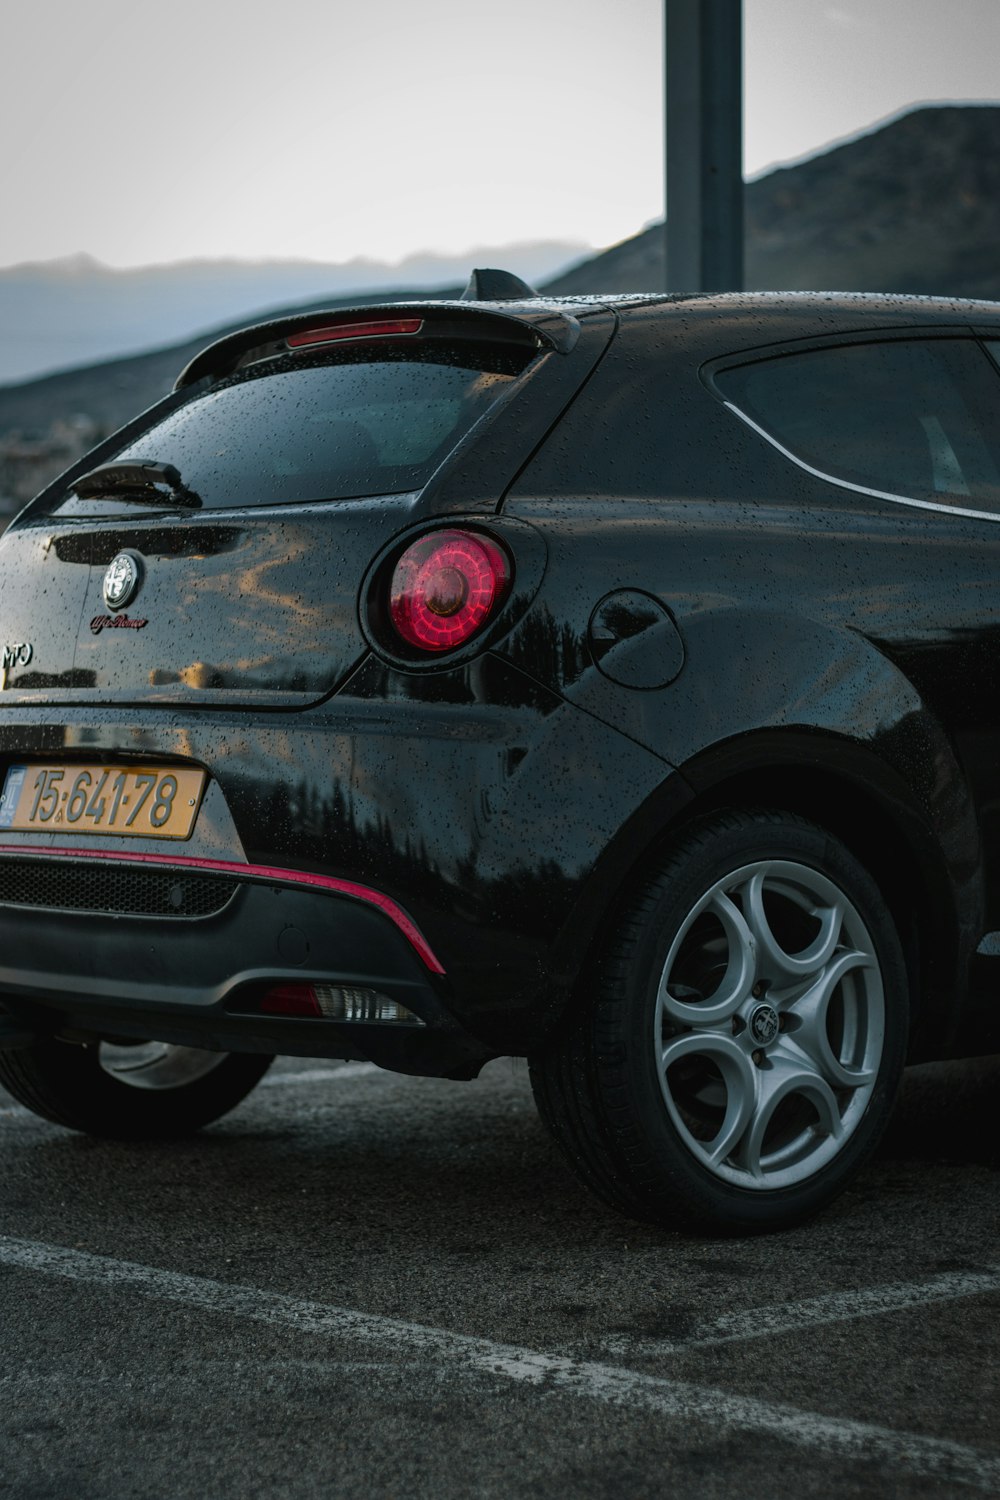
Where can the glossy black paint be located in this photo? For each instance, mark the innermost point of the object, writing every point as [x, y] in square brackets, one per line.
[695, 622]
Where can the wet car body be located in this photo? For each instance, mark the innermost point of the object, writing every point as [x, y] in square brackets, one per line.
[696, 622]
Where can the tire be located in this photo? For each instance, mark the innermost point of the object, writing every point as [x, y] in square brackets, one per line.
[737, 1056]
[145, 1091]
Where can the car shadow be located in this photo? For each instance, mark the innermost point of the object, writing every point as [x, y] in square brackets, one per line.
[437, 1170]
[947, 1111]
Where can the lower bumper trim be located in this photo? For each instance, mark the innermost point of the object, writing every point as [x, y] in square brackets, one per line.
[267, 874]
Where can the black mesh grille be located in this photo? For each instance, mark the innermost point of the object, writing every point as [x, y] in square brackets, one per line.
[94, 886]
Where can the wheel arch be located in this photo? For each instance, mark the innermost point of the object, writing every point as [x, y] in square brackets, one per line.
[928, 875]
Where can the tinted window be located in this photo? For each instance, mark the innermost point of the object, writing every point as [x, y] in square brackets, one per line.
[911, 417]
[370, 420]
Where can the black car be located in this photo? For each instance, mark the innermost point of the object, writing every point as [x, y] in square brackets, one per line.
[610, 682]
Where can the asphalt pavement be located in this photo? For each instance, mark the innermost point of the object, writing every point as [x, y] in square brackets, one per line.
[362, 1285]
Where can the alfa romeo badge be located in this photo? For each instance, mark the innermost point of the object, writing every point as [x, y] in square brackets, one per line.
[122, 580]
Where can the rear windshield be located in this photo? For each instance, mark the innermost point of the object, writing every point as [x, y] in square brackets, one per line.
[369, 420]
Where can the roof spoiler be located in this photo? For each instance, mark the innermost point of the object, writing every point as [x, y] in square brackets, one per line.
[556, 328]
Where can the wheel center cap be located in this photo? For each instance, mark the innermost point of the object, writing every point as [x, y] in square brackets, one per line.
[764, 1024]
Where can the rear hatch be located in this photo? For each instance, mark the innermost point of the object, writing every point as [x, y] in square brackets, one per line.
[250, 503]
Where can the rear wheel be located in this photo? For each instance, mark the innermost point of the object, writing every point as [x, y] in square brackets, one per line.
[737, 1058]
[129, 1091]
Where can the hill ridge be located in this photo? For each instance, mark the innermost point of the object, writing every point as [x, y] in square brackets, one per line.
[911, 206]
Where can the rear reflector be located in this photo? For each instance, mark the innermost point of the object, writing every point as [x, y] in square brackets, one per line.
[328, 334]
[336, 1003]
[291, 1000]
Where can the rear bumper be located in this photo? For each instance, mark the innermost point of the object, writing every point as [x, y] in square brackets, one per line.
[501, 818]
[198, 980]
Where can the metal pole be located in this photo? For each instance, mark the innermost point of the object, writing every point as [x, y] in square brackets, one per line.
[704, 140]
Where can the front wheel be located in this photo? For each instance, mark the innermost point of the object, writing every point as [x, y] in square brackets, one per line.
[738, 1056]
[145, 1090]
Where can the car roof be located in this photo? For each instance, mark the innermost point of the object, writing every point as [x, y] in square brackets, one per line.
[829, 305]
[704, 326]
[700, 326]
[764, 316]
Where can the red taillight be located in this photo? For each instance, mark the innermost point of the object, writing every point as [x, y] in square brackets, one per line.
[445, 587]
[330, 332]
[291, 1000]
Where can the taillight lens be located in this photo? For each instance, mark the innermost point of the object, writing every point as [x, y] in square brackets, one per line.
[445, 587]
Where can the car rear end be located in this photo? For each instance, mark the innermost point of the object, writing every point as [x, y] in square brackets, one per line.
[255, 748]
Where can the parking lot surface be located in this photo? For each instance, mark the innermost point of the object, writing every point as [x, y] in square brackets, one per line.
[364, 1285]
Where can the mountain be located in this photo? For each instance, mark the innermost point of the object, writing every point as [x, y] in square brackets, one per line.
[76, 311]
[912, 206]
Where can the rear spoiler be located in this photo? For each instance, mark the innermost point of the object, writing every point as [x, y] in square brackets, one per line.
[532, 323]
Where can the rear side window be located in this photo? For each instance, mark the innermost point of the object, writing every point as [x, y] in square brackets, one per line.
[364, 420]
[914, 418]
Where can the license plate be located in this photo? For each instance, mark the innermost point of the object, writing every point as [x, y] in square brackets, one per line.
[140, 801]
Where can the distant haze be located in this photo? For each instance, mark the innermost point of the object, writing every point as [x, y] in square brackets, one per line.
[75, 311]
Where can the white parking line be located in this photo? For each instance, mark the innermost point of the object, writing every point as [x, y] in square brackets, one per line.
[344, 1074]
[833, 1307]
[914, 1454]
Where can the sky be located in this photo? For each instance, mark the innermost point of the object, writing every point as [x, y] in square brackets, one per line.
[142, 133]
